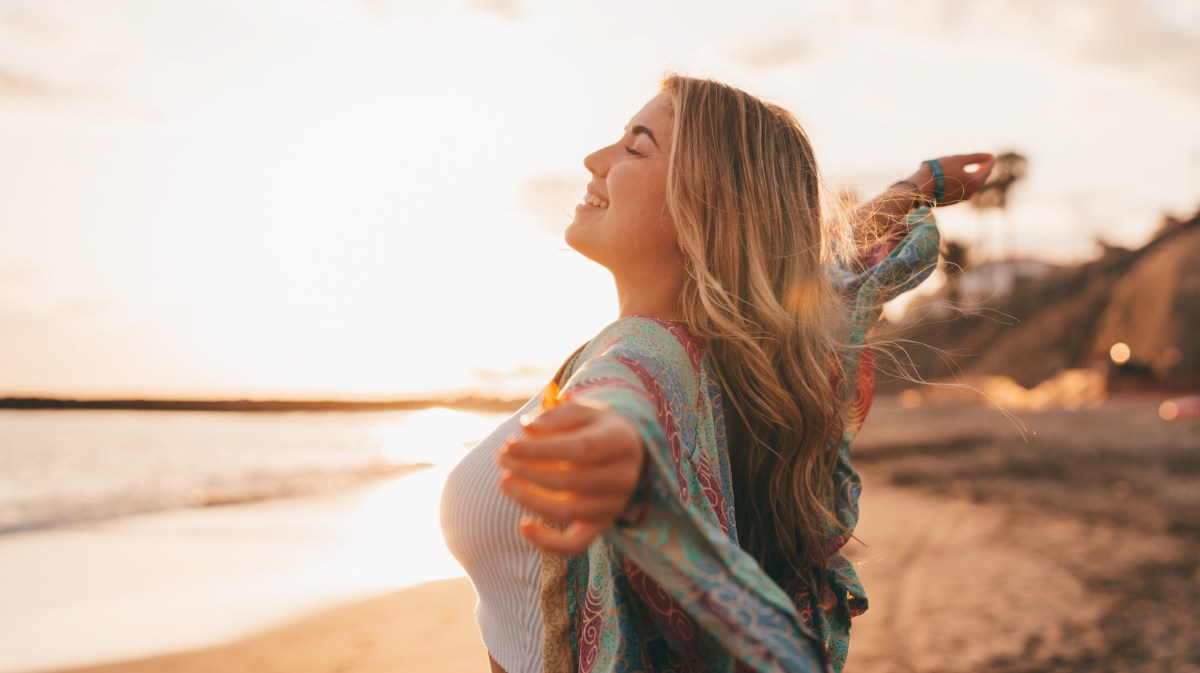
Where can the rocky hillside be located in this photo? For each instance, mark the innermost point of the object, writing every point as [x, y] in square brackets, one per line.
[1147, 299]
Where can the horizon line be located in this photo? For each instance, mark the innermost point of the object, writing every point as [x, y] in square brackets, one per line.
[472, 402]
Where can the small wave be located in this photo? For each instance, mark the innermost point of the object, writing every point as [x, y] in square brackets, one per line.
[226, 497]
[70, 467]
[36, 515]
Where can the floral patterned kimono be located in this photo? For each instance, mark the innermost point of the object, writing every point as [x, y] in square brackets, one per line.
[669, 589]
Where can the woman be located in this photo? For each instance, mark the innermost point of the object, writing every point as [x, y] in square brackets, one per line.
[735, 374]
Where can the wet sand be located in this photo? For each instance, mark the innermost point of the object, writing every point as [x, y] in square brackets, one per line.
[1074, 548]
[426, 628]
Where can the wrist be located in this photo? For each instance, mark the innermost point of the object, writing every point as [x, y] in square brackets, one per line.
[910, 193]
[925, 182]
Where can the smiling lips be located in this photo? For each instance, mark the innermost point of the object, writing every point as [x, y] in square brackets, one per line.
[593, 200]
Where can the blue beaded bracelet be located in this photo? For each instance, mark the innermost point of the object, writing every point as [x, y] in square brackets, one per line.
[939, 180]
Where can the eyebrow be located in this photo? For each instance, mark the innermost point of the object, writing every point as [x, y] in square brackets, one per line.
[638, 128]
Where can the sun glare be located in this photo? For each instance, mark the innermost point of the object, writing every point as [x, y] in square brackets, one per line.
[435, 436]
[400, 521]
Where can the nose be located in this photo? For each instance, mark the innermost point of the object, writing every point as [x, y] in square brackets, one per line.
[598, 162]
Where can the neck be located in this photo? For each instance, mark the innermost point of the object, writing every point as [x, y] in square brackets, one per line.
[652, 291]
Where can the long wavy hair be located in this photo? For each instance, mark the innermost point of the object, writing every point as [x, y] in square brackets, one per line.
[744, 192]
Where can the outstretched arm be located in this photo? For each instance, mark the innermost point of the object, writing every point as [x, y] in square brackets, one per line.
[880, 222]
[618, 458]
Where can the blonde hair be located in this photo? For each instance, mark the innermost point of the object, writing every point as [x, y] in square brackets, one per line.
[744, 192]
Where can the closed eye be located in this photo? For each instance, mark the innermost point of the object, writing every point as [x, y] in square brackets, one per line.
[631, 151]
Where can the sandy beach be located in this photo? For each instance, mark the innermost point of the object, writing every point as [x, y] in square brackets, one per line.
[1073, 548]
[426, 628]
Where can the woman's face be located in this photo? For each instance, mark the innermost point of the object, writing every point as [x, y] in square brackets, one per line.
[623, 221]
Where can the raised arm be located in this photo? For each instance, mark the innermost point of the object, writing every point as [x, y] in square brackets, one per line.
[880, 223]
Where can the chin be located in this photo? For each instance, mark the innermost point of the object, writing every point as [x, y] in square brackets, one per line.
[576, 236]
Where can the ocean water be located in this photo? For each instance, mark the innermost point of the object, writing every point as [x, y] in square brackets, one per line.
[60, 467]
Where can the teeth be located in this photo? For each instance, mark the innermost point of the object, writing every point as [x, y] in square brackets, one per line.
[593, 200]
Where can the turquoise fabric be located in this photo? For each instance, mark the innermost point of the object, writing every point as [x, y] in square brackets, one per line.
[669, 589]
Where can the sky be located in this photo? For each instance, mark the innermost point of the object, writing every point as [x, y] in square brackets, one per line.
[365, 200]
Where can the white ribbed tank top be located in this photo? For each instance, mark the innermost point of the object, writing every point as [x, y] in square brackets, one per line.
[480, 527]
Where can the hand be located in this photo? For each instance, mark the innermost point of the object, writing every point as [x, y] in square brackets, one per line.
[576, 464]
[960, 184]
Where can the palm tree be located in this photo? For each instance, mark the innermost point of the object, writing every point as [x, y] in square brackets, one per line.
[993, 196]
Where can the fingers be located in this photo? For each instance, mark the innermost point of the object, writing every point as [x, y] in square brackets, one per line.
[612, 478]
[559, 505]
[969, 159]
[959, 161]
[574, 447]
[564, 416]
[981, 162]
[576, 464]
[574, 540]
[980, 172]
[974, 180]
[576, 433]
[960, 182]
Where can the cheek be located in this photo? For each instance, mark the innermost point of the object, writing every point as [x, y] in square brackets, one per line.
[636, 220]
[639, 195]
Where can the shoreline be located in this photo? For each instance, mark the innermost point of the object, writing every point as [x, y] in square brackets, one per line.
[482, 404]
[218, 500]
[177, 580]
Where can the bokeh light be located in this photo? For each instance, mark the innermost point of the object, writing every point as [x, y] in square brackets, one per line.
[1168, 411]
[1119, 353]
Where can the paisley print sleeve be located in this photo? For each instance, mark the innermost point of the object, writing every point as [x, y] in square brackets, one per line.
[670, 589]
